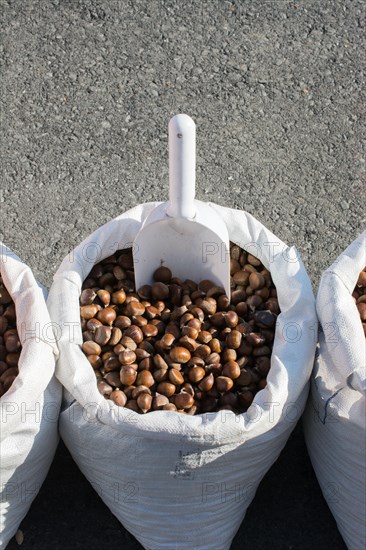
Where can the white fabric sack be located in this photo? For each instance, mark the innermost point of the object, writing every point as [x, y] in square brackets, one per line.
[334, 422]
[29, 409]
[177, 481]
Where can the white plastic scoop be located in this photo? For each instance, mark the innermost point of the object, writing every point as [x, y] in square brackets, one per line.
[183, 234]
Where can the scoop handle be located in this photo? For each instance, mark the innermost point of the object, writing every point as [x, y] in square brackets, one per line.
[182, 167]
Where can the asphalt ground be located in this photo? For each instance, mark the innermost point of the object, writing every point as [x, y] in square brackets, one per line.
[277, 91]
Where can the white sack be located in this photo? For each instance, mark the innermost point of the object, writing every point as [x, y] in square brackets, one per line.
[29, 409]
[178, 481]
[334, 421]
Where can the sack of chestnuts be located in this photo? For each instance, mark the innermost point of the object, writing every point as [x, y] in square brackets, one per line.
[179, 400]
[335, 417]
[30, 395]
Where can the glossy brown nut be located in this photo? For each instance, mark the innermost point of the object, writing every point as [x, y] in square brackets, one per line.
[104, 388]
[106, 315]
[169, 407]
[139, 390]
[128, 343]
[119, 273]
[112, 363]
[265, 319]
[241, 309]
[223, 302]
[151, 312]
[134, 308]
[141, 354]
[91, 348]
[262, 292]
[190, 332]
[115, 336]
[159, 362]
[10, 372]
[113, 378]
[231, 369]
[256, 280]
[231, 319]
[104, 296]
[263, 365]
[234, 265]
[208, 306]
[180, 354]
[255, 339]
[238, 296]
[203, 351]
[160, 325]
[212, 359]
[146, 364]
[175, 377]
[196, 374]
[102, 335]
[159, 402]
[125, 260]
[92, 324]
[261, 350]
[87, 297]
[162, 274]
[126, 357]
[241, 278]
[244, 378]
[128, 391]
[209, 404]
[215, 369]
[228, 354]
[118, 397]
[223, 384]
[184, 401]
[167, 340]
[119, 297]
[253, 302]
[150, 330]
[272, 305]
[245, 399]
[145, 378]
[204, 337]
[159, 291]
[166, 388]
[196, 362]
[128, 375]
[188, 343]
[206, 383]
[161, 375]
[245, 349]
[95, 361]
[12, 343]
[198, 313]
[218, 319]
[229, 398]
[233, 339]
[7, 383]
[133, 406]
[88, 312]
[122, 322]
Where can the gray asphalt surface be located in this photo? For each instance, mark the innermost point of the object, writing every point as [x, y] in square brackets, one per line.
[277, 90]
